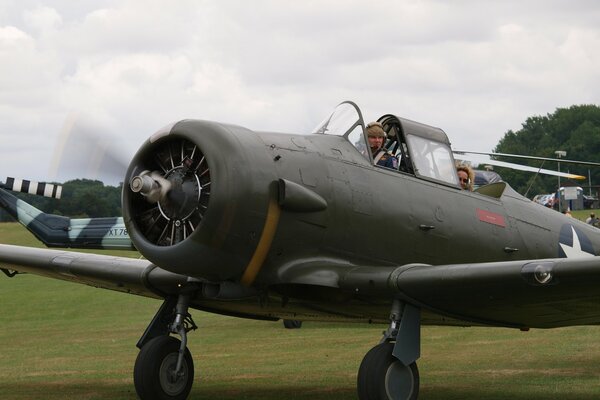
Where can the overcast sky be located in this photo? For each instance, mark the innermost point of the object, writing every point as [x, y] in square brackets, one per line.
[123, 69]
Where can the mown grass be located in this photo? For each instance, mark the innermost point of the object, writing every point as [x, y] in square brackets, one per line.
[583, 214]
[60, 340]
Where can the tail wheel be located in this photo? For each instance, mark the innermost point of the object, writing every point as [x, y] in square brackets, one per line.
[174, 218]
[154, 372]
[382, 376]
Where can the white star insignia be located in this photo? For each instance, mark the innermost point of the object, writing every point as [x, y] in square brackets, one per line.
[575, 250]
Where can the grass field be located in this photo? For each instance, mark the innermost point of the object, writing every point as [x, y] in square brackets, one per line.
[65, 341]
[583, 214]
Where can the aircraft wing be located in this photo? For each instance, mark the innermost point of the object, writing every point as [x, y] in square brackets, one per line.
[509, 155]
[122, 274]
[520, 167]
[545, 293]
[528, 293]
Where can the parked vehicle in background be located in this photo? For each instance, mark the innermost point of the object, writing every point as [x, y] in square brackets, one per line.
[547, 200]
[538, 198]
[590, 202]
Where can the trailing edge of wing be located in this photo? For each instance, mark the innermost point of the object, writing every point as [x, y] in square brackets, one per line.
[122, 274]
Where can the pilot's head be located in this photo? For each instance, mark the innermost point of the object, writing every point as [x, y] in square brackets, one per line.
[466, 176]
[376, 136]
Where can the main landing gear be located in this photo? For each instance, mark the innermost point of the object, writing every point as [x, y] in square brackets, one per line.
[389, 370]
[164, 368]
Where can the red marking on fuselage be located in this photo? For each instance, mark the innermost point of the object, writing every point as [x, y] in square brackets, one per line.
[491, 218]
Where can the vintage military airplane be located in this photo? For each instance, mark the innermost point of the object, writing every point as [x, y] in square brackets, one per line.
[267, 225]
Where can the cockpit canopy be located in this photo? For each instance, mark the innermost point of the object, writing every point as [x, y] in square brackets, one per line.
[421, 149]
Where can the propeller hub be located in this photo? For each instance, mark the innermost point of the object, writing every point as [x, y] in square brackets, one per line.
[142, 184]
[184, 196]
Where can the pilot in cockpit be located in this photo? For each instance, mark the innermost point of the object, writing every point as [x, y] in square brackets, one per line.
[376, 137]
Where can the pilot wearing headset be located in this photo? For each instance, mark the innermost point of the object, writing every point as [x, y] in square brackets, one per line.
[376, 137]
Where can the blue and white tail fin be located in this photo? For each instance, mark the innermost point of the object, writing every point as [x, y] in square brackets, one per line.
[57, 230]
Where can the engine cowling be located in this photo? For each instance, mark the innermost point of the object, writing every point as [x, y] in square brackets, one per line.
[196, 197]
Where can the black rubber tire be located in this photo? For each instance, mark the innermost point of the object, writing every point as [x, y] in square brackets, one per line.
[292, 324]
[382, 376]
[157, 357]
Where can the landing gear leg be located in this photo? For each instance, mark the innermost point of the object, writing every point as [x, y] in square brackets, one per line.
[164, 368]
[389, 370]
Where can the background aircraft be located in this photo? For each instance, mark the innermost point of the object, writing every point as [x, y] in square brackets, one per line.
[267, 226]
[472, 155]
[60, 231]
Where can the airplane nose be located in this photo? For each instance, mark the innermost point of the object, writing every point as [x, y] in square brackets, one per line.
[197, 197]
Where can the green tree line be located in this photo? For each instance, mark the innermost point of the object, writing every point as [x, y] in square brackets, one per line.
[81, 198]
[575, 130]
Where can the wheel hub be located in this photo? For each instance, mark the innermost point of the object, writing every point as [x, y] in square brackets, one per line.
[399, 381]
[172, 383]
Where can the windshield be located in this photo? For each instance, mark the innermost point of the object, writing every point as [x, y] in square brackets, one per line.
[432, 159]
[346, 120]
[342, 120]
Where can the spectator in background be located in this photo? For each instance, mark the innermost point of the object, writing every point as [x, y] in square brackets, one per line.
[592, 219]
